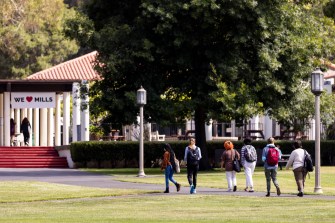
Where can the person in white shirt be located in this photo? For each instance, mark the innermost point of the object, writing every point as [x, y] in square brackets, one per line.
[248, 164]
[296, 160]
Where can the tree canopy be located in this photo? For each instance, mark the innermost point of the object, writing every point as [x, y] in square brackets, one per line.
[214, 58]
[32, 37]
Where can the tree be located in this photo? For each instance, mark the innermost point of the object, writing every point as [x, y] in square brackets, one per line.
[32, 37]
[185, 52]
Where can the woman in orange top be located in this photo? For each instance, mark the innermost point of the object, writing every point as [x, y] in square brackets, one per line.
[169, 166]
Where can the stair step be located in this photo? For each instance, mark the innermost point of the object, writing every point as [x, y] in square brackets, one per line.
[31, 157]
[32, 166]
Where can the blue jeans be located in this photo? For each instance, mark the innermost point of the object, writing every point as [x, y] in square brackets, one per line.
[271, 174]
[169, 176]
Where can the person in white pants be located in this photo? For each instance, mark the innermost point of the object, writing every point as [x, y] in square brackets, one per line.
[227, 162]
[248, 160]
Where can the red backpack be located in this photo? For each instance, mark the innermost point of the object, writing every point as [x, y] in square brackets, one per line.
[272, 156]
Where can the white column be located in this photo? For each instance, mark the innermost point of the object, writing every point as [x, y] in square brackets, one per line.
[18, 119]
[85, 119]
[209, 130]
[233, 128]
[43, 127]
[268, 127]
[50, 137]
[66, 118]
[57, 121]
[6, 104]
[255, 121]
[23, 113]
[1, 119]
[36, 126]
[75, 110]
[30, 118]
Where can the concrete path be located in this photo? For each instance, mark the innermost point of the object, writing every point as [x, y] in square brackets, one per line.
[82, 178]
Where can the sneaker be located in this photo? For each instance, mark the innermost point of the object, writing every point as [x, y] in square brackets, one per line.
[251, 190]
[229, 190]
[278, 191]
[191, 189]
[300, 194]
[246, 189]
[268, 194]
[235, 188]
[178, 186]
[194, 191]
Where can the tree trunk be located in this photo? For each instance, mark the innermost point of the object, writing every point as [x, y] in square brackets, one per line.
[200, 134]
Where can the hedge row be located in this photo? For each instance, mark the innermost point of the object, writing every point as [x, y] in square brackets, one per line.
[125, 154]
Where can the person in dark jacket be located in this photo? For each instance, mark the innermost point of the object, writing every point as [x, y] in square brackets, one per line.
[12, 131]
[25, 129]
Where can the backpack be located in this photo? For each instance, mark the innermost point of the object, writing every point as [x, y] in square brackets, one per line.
[308, 163]
[272, 156]
[193, 156]
[250, 154]
[174, 162]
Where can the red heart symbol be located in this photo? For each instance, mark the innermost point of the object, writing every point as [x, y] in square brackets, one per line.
[29, 98]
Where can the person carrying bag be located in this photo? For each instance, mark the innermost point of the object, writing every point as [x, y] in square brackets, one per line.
[227, 162]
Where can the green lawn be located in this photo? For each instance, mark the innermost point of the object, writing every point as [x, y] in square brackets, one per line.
[217, 179]
[46, 202]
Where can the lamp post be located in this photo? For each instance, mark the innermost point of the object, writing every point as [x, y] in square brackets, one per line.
[317, 88]
[141, 101]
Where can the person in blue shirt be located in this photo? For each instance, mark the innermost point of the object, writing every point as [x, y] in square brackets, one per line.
[270, 170]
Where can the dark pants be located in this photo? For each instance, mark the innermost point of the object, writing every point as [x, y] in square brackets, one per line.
[192, 173]
[26, 137]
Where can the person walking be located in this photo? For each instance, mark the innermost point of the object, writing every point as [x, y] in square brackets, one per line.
[25, 129]
[169, 165]
[191, 157]
[248, 160]
[270, 157]
[12, 131]
[296, 160]
[227, 162]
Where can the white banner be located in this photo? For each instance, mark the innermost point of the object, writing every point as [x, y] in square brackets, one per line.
[33, 99]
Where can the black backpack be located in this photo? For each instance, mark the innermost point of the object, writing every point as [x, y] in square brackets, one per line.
[193, 156]
[308, 163]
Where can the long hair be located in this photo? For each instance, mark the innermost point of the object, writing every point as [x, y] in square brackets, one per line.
[168, 148]
[25, 121]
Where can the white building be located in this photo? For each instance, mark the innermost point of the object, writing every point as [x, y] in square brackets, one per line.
[45, 98]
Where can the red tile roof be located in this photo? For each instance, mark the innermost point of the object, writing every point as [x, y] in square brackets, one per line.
[78, 69]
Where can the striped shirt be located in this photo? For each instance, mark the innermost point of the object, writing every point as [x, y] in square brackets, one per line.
[243, 151]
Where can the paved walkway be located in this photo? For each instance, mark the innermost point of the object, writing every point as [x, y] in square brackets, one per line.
[82, 178]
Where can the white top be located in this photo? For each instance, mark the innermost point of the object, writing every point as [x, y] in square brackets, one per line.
[296, 159]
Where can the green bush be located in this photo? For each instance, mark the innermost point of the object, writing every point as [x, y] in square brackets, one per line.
[125, 154]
